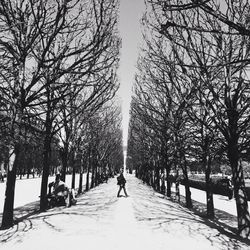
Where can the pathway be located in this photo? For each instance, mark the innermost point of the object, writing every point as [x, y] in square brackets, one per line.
[145, 220]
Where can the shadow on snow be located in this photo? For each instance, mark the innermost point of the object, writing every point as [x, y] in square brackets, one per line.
[166, 214]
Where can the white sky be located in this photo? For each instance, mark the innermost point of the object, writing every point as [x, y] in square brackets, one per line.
[130, 15]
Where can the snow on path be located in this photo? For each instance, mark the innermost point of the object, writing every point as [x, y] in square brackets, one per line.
[143, 221]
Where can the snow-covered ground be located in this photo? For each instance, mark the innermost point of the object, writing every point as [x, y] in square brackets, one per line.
[28, 190]
[145, 220]
[220, 202]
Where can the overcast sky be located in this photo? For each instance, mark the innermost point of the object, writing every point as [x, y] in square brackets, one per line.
[130, 15]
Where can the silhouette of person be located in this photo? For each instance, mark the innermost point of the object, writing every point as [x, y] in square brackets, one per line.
[121, 181]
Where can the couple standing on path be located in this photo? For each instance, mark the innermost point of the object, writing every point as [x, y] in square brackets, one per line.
[121, 181]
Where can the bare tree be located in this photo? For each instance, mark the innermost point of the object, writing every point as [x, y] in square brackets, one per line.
[218, 56]
[42, 42]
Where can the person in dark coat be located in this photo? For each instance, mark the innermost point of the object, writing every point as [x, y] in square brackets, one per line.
[60, 189]
[121, 181]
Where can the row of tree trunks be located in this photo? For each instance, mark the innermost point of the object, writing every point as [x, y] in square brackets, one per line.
[157, 181]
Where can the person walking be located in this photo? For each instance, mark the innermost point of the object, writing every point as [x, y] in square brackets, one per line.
[121, 181]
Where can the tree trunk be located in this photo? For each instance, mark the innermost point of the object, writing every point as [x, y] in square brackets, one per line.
[73, 174]
[92, 184]
[151, 178]
[80, 178]
[7, 219]
[177, 190]
[169, 183]
[87, 176]
[97, 176]
[187, 187]
[136, 172]
[46, 166]
[177, 185]
[157, 179]
[163, 186]
[239, 190]
[64, 161]
[209, 190]
[80, 182]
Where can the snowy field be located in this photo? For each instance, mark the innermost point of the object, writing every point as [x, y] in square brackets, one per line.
[220, 202]
[145, 220]
[28, 190]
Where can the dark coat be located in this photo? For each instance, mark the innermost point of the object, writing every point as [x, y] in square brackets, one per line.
[121, 180]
